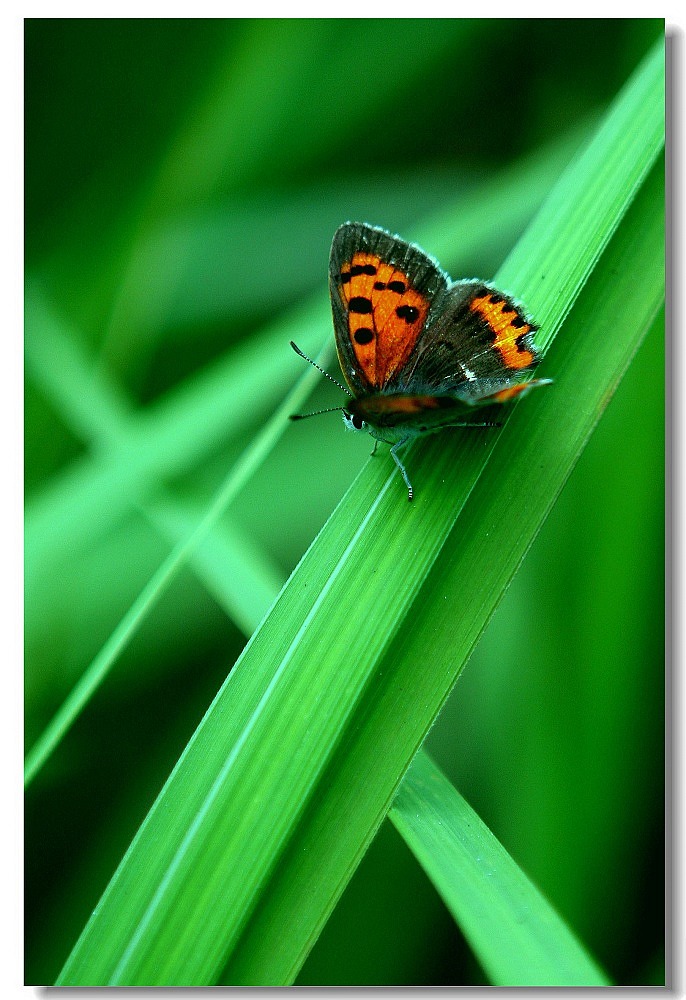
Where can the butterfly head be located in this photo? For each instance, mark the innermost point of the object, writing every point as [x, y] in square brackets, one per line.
[353, 421]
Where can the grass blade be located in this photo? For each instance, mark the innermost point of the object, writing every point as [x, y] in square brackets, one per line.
[516, 934]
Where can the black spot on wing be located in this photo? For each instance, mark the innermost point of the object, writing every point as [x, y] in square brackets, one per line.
[408, 313]
[364, 335]
[360, 304]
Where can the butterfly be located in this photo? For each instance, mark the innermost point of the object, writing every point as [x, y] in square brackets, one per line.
[418, 351]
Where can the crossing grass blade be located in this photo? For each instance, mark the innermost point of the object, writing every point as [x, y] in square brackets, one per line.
[515, 933]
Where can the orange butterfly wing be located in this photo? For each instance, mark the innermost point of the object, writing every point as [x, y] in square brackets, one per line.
[382, 293]
[404, 328]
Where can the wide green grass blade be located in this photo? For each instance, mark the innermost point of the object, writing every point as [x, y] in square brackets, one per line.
[244, 853]
[517, 936]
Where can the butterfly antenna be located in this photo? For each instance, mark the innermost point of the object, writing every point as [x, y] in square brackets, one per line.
[320, 369]
[301, 416]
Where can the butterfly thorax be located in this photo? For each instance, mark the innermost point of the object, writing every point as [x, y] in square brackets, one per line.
[388, 410]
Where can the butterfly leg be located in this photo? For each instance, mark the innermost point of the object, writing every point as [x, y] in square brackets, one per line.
[376, 444]
[403, 441]
[403, 471]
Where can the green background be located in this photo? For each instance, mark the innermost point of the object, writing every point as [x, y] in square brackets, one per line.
[183, 181]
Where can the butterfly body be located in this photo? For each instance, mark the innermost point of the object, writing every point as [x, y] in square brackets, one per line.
[400, 415]
[419, 351]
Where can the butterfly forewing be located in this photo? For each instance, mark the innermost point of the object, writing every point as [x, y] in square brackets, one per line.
[384, 294]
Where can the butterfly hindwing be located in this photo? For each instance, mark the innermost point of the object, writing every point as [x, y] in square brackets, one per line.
[481, 342]
[385, 293]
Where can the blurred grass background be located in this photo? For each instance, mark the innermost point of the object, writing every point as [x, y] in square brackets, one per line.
[183, 181]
